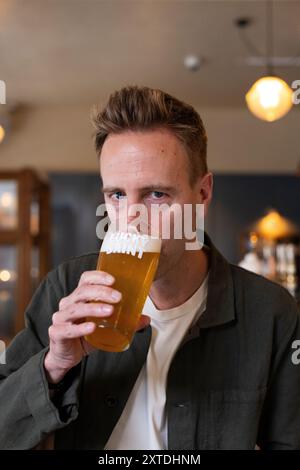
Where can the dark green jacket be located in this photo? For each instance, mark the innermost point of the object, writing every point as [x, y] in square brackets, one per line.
[231, 385]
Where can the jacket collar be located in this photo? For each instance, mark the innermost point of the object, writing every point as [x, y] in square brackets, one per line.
[220, 293]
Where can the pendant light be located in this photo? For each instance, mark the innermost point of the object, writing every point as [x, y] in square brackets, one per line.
[270, 97]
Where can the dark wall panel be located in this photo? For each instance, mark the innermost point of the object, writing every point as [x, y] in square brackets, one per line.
[74, 199]
[237, 202]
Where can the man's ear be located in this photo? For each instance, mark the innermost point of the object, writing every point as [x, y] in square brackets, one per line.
[206, 190]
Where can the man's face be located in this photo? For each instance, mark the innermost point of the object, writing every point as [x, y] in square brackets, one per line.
[151, 168]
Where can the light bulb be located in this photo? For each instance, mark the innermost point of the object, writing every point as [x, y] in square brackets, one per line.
[5, 275]
[269, 98]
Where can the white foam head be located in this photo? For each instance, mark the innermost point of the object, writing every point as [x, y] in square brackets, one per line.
[130, 242]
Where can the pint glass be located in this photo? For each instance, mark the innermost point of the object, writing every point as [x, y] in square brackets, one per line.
[132, 259]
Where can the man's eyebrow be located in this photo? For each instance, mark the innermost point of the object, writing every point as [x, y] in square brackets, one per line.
[111, 189]
[152, 187]
[158, 187]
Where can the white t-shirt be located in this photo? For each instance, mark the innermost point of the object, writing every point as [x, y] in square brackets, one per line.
[143, 423]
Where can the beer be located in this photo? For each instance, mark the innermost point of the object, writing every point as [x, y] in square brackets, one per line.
[132, 259]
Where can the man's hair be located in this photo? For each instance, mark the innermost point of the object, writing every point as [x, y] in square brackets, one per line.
[136, 108]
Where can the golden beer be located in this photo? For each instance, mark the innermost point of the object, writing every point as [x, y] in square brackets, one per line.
[132, 260]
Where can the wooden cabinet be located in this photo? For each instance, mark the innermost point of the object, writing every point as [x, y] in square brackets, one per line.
[24, 244]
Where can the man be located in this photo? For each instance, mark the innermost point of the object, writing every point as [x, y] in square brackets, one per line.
[211, 365]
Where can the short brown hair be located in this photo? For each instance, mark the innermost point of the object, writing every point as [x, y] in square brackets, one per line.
[143, 108]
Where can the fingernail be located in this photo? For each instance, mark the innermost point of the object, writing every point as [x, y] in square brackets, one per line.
[89, 327]
[107, 308]
[116, 295]
[109, 278]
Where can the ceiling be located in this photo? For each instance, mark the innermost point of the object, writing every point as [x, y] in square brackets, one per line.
[78, 51]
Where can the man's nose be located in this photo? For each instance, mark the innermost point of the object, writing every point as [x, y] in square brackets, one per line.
[135, 208]
[132, 209]
[128, 206]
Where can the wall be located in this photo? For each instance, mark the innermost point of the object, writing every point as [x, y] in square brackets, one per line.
[74, 199]
[59, 138]
[237, 202]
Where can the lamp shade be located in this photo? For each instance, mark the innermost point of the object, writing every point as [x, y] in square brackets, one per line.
[2, 133]
[5, 124]
[269, 98]
[273, 226]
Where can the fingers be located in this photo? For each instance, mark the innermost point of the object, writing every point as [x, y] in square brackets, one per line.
[88, 293]
[96, 277]
[88, 278]
[97, 293]
[62, 329]
[78, 311]
[59, 333]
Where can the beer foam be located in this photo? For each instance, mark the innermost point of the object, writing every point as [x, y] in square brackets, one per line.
[131, 243]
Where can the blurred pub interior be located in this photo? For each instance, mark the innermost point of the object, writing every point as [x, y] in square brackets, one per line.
[59, 58]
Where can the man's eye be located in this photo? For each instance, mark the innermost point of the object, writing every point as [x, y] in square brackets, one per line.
[117, 195]
[157, 194]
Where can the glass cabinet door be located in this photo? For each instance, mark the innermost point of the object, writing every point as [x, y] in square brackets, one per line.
[8, 288]
[8, 205]
[24, 244]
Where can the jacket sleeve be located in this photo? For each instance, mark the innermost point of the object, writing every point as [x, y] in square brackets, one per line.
[27, 413]
[280, 423]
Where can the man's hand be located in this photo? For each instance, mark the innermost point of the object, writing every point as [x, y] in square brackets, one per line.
[66, 334]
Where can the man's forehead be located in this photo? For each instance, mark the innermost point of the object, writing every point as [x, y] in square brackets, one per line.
[150, 143]
[142, 159]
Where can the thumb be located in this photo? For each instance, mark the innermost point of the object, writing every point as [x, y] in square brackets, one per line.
[144, 321]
